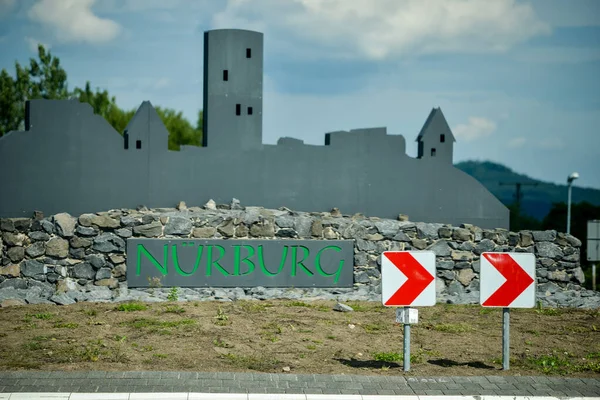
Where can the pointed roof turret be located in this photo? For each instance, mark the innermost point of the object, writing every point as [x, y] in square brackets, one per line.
[436, 123]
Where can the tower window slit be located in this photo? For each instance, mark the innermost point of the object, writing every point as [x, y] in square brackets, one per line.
[225, 75]
[248, 53]
[432, 152]
[238, 109]
[138, 144]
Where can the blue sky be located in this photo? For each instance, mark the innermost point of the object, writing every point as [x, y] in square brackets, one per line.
[518, 81]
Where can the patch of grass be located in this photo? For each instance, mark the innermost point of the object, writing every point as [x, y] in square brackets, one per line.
[331, 337]
[223, 344]
[66, 325]
[174, 309]
[119, 338]
[549, 311]
[173, 294]
[154, 323]
[375, 328]
[90, 312]
[311, 347]
[92, 351]
[297, 303]
[254, 306]
[129, 307]
[262, 364]
[159, 355]
[221, 318]
[388, 357]
[486, 310]
[453, 328]
[43, 316]
[34, 345]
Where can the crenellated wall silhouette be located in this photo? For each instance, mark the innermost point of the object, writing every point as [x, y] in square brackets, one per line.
[70, 160]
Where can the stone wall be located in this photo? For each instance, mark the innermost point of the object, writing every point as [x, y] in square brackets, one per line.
[64, 259]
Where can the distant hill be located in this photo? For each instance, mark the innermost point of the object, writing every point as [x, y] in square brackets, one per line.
[536, 201]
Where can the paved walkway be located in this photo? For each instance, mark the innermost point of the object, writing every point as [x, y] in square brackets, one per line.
[256, 383]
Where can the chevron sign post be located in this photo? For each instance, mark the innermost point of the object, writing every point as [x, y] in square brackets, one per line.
[407, 279]
[507, 280]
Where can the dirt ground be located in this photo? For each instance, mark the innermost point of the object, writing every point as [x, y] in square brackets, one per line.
[306, 337]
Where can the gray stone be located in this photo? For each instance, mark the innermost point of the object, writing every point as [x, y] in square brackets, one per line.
[11, 270]
[360, 259]
[428, 231]
[548, 250]
[39, 236]
[16, 254]
[363, 245]
[210, 205]
[388, 228]
[462, 265]
[77, 243]
[15, 283]
[14, 239]
[513, 239]
[204, 233]
[130, 221]
[361, 277]
[355, 231]
[40, 289]
[62, 299]
[440, 287]
[47, 226]
[485, 245]
[64, 224]
[578, 275]
[440, 248]
[124, 232]
[111, 283]
[77, 253]
[342, 308]
[285, 221]
[152, 229]
[476, 266]
[103, 221]
[402, 237]
[329, 233]
[467, 246]
[103, 273]
[227, 229]
[179, 226]
[7, 225]
[86, 231]
[36, 249]
[446, 274]
[461, 234]
[263, 230]
[33, 269]
[445, 264]
[544, 236]
[465, 276]
[12, 303]
[286, 233]
[235, 204]
[445, 232]
[461, 255]
[96, 260]
[84, 271]
[109, 243]
[373, 273]
[526, 239]
[455, 288]
[419, 244]
[560, 276]
[57, 247]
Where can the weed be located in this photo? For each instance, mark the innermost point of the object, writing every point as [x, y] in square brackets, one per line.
[67, 325]
[174, 309]
[159, 355]
[296, 303]
[331, 337]
[173, 296]
[148, 348]
[485, 310]
[90, 312]
[32, 345]
[311, 347]
[154, 323]
[387, 357]
[43, 316]
[221, 317]
[221, 343]
[548, 311]
[119, 338]
[92, 351]
[129, 307]
[453, 328]
[254, 306]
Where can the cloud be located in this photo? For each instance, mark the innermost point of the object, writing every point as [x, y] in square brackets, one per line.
[6, 6]
[476, 128]
[388, 28]
[74, 21]
[33, 44]
[517, 142]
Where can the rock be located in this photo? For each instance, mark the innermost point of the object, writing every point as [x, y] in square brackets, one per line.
[57, 247]
[84, 271]
[14, 239]
[124, 232]
[210, 205]
[286, 233]
[7, 225]
[402, 217]
[96, 260]
[39, 236]
[264, 229]
[86, 231]
[227, 229]
[16, 254]
[428, 231]
[15, 283]
[560, 276]
[12, 303]
[109, 243]
[33, 269]
[130, 221]
[361, 277]
[64, 224]
[578, 275]
[286, 369]
[116, 259]
[153, 229]
[36, 249]
[440, 248]
[461, 234]
[461, 255]
[112, 283]
[119, 270]
[484, 245]
[103, 273]
[455, 288]
[77, 243]
[235, 204]
[241, 231]
[476, 266]
[448, 275]
[445, 232]
[204, 233]
[526, 239]
[548, 250]
[62, 299]
[181, 206]
[445, 264]
[104, 221]
[465, 276]
[374, 237]
[440, 287]
[402, 237]
[285, 221]
[11, 270]
[179, 226]
[329, 233]
[66, 285]
[419, 244]
[342, 308]
[467, 246]
[544, 236]
[317, 228]
[387, 228]
[335, 212]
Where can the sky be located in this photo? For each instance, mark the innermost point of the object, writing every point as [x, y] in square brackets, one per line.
[518, 81]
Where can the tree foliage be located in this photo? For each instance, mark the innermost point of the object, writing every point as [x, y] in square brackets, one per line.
[44, 78]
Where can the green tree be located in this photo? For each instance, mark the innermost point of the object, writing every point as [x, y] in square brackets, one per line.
[41, 79]
[46, 79]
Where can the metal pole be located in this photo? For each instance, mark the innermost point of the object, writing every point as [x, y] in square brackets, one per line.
[593, 276]
[569, 209]
[505, 338]
[406, 340]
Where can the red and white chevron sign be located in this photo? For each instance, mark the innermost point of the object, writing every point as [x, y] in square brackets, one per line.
[408, 278]
[507, 280]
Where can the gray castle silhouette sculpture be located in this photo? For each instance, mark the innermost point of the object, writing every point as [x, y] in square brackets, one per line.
[70, 160]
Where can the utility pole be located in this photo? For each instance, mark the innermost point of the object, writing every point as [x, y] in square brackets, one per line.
[518, 194]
